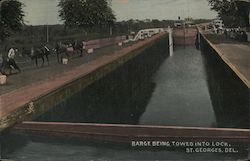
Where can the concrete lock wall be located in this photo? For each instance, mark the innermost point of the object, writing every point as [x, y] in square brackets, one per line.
[229, 94]
[121, 93]
[44, 103]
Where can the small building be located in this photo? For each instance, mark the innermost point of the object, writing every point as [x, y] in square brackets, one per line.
[178, 23]
[218, 23]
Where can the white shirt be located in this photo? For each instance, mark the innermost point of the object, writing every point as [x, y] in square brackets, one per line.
[11, 54]
[84, 44]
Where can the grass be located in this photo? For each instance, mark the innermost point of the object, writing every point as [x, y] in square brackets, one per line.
[34, 36]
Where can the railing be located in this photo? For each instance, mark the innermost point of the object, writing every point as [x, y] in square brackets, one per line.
[145, 33]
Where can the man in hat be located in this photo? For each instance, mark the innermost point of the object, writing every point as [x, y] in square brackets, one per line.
[11, 58]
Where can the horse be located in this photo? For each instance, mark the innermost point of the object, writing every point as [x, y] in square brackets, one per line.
[78, 48]
[38, 53]
[64, 49]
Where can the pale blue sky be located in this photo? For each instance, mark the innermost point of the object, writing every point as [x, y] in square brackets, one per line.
[45, 11]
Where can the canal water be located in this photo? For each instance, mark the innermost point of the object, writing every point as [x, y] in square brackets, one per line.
[173, 93]
[152, 89]
[181, 95]
[188, 89]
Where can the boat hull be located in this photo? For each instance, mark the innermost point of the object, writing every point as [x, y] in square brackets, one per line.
[185, 36]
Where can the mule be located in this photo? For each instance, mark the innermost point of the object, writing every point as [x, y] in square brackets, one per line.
[78, 48]
[61, 49]
[39, 53]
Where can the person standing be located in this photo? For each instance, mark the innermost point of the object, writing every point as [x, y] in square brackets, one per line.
[11, 59]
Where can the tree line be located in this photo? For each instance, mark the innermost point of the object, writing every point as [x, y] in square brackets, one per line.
[233, 13]
[11, 17]
[74, 13]
[88, 14]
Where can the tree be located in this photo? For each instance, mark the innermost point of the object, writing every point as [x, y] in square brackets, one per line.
[244, 10]
[11, 17]
[234, 13]
[86, 13]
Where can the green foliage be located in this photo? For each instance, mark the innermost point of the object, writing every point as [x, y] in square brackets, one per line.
[233, 13]
[86, 13]
[11, 17]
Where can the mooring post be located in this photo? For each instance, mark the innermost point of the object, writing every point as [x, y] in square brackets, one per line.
[199, 39]
[171, 44]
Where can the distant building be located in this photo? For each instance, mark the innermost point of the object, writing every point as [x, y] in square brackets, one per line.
[178, 23]
[218, 23]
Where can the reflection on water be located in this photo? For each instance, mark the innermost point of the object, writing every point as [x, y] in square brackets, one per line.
[229, 95]
[181, 95]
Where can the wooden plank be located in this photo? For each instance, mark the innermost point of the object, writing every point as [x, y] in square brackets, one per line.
[128, 133]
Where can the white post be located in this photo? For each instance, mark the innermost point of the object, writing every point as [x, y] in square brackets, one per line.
[111, 31]
[171, 43]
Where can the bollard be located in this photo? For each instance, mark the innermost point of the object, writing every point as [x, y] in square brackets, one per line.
[120, 44]
[65, 61]
[3, 79]
[90, 51]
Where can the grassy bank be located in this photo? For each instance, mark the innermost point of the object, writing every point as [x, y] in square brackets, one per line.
[34, 36]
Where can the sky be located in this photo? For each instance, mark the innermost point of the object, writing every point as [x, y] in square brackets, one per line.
[40, 12]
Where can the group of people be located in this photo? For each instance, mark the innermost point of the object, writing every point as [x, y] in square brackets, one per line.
[8, 61]
[236, 34]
